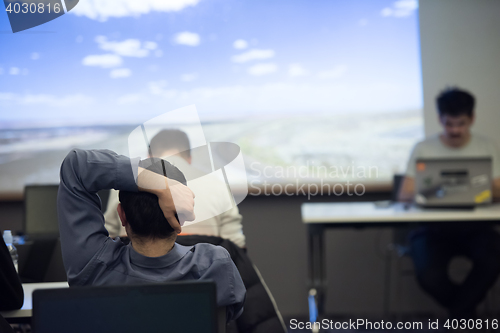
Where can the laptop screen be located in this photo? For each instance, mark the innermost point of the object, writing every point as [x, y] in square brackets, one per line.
[173, 307]
[453, 182]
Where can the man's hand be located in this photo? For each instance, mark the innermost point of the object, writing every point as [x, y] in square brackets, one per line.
[173, 197]
[183, 199]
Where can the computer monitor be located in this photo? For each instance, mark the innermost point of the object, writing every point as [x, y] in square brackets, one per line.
[175, 307]
[40, 210]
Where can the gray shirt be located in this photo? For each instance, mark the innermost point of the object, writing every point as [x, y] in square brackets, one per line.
[433, 147]
[91, 257]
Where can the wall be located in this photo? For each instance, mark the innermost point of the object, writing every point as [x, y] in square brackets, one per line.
[460, 46]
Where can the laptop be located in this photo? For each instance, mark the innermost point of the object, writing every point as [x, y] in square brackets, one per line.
[453, 183]
[176, 307]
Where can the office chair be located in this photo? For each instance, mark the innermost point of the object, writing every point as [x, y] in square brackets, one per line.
[260, 314]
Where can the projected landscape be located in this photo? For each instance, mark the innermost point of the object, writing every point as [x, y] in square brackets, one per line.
[336, 84]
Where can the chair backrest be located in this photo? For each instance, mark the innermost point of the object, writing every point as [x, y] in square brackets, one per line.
[184, 307]
[400, 234]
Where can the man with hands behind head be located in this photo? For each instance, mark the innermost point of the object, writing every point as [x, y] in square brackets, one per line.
[174, 145]
[152, 211]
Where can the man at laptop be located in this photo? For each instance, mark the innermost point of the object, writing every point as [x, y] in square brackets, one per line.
[433, 246]
[152, 210]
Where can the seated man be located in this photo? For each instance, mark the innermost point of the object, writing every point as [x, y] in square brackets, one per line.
[174, 145]
[152, 222]
[434, 245]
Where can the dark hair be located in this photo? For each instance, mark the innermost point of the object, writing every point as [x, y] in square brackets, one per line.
[170, 139]
[142, 210]
[455, 102]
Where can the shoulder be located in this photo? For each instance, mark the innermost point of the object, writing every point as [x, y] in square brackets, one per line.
[431, 141]
[214, 252]
[423, 147]
[209, 259]
[483, 141]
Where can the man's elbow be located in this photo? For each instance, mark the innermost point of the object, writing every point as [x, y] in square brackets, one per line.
[72, 156]
[70, 162]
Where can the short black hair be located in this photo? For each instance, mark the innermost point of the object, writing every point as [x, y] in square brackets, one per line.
[142, 209]
[170, 139]
[455, 102]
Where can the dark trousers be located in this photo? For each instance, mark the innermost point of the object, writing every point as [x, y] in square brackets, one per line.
[432, 249]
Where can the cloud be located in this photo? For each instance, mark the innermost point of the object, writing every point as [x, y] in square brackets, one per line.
[187, 38]
[120, 73]
[157, 87]
[240, 44]
[45, 99]
[102, 60]
[188, 77]
[7, 96]
[150, 45]
[262, 69]
[130, 98]
[401, 8]
[126, 48]
[102, 10]
[254, 54]
[35, 56]
[335, 73]
[295, 70]
[14, 71]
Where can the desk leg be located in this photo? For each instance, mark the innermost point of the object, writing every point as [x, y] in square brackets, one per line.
[316, 258]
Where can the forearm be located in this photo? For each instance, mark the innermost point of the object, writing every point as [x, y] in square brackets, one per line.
[81, 222]
[496, 190]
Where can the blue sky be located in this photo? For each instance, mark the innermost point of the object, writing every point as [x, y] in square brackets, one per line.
[120, 64]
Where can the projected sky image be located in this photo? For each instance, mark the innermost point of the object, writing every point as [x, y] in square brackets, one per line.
[332, 82]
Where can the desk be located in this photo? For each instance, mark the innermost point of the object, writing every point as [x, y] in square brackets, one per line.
[319, 216]
[25, 311]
